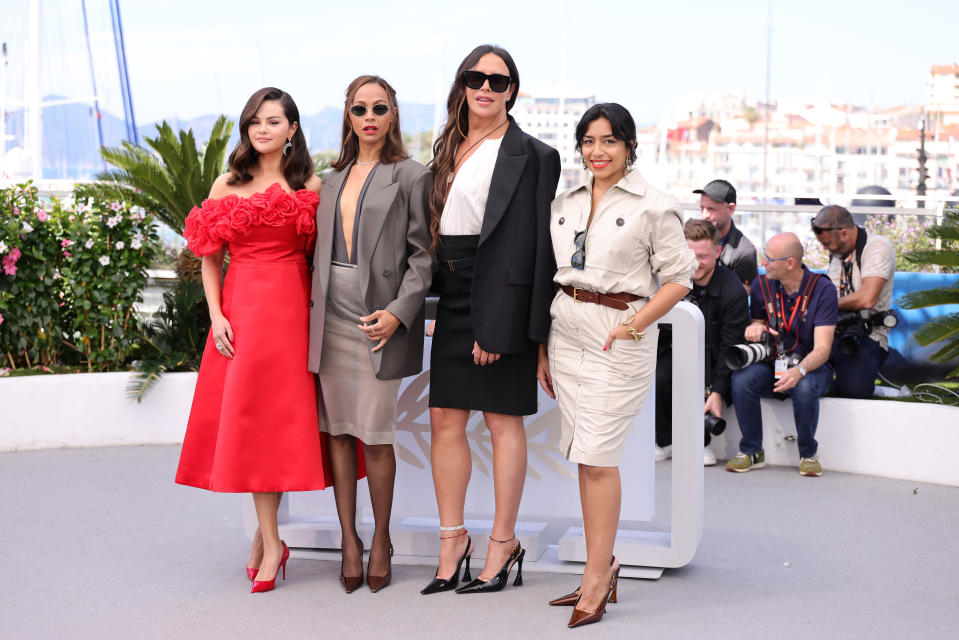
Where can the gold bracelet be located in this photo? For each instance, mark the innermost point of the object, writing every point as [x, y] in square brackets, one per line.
[631, 330]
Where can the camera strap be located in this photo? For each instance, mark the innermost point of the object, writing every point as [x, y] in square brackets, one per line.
[776, 307]
[845, 279]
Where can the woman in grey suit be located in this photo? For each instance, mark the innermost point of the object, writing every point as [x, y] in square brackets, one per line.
[371, 273]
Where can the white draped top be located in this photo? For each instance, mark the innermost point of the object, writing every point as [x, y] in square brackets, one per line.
[466, 201]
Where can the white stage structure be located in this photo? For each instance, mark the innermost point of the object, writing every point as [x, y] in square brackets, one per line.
[549, 517]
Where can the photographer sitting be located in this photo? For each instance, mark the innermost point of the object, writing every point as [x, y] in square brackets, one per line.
[861, 267]
[720, 295]
[794, 315]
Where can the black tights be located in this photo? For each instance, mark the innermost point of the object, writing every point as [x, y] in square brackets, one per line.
[380, 475]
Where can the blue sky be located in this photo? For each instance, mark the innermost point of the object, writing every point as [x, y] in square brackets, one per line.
[192, 58]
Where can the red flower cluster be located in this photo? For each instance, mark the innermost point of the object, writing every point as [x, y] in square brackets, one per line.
[221, 220]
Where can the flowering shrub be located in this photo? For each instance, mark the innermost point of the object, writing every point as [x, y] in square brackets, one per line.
[30, 319]
[72, 272]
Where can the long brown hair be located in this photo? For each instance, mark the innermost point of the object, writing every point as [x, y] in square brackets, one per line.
[297, 164]
[393, 148]
[456, 129]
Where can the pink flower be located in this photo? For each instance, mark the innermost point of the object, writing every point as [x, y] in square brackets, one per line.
[42, 215]
[1, 318]
[67, 254]
[9, 268]
[66, 243]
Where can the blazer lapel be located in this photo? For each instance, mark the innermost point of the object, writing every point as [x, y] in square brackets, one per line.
[506, 174]
[375, 208]
[325, 221]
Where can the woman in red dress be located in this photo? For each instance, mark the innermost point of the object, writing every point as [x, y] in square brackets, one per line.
[253, 424]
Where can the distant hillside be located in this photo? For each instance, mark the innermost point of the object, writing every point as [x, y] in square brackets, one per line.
[71, 149]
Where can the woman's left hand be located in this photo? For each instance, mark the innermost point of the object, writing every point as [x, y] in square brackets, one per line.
[618, 332]
[379, 327]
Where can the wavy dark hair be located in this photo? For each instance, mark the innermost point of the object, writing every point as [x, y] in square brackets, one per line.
[457, 127]
[393, 148]
[620, 122]
[297, 165]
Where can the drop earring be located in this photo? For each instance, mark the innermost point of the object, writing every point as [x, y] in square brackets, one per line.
[288, 147]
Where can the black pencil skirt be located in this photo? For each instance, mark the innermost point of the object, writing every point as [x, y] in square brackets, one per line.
[507, 386]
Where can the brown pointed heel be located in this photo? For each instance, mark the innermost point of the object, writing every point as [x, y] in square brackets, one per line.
[376, 583]
[568, 600]
[352, 583]
[580, 617]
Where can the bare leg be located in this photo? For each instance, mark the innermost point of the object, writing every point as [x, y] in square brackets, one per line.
[343, 463]
[601, 506]
[266, 505]
[381, 476]
[452, 465]
[256, 549]
[508, 436]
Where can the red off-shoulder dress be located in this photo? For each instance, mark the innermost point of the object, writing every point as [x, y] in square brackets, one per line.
[253, 425]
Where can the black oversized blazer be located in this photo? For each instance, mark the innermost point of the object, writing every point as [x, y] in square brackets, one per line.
[513, 274]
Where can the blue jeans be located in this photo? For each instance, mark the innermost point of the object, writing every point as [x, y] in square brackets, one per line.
[755, 382]
[856, 374]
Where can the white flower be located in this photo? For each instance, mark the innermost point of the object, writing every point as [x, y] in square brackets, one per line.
[104, 260]
[88, 244]
[76, 335]
[136, 243]
[3, 247]
[120, 245]
[114, 221]
[27, 228]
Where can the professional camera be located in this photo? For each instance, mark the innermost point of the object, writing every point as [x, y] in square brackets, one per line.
[852, 328]
[714, 424]
[740, 356]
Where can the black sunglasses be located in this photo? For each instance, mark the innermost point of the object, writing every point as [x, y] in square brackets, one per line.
[359, 110]
[497, 82]
[817, 229]
[578, 261]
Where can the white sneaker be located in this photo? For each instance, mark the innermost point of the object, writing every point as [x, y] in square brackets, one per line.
[662, 453]
[709, 458]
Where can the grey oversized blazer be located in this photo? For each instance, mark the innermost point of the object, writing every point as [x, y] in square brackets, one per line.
[392, 255]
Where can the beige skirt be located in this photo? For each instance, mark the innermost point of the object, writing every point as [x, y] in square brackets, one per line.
[599, 393]
[351, 399]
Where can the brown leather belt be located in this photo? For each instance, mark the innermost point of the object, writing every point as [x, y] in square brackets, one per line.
[612, 300]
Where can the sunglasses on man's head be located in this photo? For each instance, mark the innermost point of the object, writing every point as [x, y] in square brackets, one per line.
[497, 82]
[817, 229]
[359, 110]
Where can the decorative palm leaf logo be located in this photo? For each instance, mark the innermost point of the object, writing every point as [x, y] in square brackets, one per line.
[542, 435]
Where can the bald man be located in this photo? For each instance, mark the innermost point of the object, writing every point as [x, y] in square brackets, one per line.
[799, 309]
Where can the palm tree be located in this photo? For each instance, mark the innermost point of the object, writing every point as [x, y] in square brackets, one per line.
[945, 328]
[171, 179]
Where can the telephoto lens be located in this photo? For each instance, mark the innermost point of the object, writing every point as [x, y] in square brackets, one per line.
[740, 356]
[713, 423]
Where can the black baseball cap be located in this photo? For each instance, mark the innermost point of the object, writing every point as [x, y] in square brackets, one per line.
[720, 191]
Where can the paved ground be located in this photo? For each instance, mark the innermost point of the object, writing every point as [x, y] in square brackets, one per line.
[99, 543]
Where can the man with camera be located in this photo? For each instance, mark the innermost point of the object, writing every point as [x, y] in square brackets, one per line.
[794, 314]
[719, 294]
[862, 267]
[717, 201]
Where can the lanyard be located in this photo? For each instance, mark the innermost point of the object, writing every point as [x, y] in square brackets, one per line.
[782, 311]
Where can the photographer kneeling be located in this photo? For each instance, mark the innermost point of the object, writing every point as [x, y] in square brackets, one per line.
[720, 295]
[861, 267]
[794, 314]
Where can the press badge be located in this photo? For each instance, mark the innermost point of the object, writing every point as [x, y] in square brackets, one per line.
[781, 365]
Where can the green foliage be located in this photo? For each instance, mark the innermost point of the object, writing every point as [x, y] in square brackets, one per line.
[945, 328]
[174, 340]
[30, 300]
[72, 272]
[172, 178]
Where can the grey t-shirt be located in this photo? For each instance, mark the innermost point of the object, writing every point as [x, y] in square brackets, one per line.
[878, 260]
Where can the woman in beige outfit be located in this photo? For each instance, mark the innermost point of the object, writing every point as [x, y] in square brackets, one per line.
[611, 236]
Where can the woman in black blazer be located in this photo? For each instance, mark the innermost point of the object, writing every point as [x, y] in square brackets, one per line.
[490, 225]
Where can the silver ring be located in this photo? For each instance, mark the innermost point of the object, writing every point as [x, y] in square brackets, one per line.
[219, 346]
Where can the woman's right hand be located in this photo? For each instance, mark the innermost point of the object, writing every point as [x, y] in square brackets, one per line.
[542, 371]
[222, 336]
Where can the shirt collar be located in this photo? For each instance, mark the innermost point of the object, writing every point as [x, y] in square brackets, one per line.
[633, 182]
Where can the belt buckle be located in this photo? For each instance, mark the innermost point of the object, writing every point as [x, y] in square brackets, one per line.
[449, 263]
[576, 294]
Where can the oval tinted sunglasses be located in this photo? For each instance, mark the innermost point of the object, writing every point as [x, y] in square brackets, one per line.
[497, 82]
[359, 110]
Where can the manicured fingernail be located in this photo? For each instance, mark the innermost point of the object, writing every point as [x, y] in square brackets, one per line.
[604, 348]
